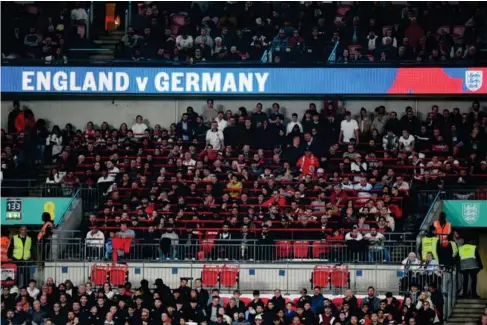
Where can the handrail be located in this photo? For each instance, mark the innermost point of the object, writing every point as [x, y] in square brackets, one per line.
[332, 58]
[427, 220]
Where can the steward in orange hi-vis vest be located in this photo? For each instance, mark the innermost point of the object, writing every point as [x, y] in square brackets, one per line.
[442, 229]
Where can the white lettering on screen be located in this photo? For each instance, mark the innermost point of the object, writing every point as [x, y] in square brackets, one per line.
[27, 80]
[211, 82]
[161, 82]
[193, 82]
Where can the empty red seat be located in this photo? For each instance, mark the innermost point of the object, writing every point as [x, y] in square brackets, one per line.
[210, 275]
[229, 275]
[207, 245]
[340, 276]
[321, 276]
[118, 275]
[99, 274]
[283, 248]
[301, 249]
[319, 248]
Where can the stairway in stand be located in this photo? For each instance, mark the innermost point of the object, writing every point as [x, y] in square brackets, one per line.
[467, 312]
[106, 44]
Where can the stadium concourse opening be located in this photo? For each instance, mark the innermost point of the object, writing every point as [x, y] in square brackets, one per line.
[255, 164]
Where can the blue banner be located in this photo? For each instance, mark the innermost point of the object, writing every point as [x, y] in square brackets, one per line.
[28, 211]
[244, 81]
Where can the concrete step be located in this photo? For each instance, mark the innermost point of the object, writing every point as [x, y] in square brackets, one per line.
[107, 41]
[469, 305]
[464, 319]
[459, 322]
[472, 301]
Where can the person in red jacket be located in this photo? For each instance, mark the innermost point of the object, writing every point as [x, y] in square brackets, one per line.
[277, 198]
[308, 163]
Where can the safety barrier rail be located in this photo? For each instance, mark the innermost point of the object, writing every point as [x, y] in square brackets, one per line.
[299, 251]
[289, 278]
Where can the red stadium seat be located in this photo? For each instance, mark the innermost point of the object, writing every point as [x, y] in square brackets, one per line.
[229, 275]
[283, 248]
[207, 245]
[301, 249]
[340, 276]
[319, 248]
[342, 10]
[210, 275]
[118, 275]
[321, 276]
[99, 274]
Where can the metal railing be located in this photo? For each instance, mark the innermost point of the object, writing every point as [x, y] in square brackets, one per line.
[290, 278]
[76, 249]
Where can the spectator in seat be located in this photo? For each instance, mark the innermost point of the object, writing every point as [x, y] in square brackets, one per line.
[349, 129]
[168, 244]
[54, 142]
[214, 137]
[316, 300]
[294, 122]
[377, 251]
[390, 142]
[371, 300]
[95, 241]
[308, 163]
[139, 127]
[354, 242]
[280, 41]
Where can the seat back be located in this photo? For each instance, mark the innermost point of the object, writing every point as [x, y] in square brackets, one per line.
[283, 248]
[229, 275]
[319, 248]
[210, 275]
[340, 276]
[118, 275]
[321, 276]
[301, 249]
[99, 274]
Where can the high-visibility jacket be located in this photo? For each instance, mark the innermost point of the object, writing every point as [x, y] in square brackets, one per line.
[442, 232]
[5, 244]
[21, 249]
[42, 233]
[454, 248]
[468, 260]
[429, 244]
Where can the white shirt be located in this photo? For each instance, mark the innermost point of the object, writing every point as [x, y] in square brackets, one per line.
[139, 129]
[112, 173]
[222, 124]
[215, 139]
[189, 163]
[291, 125]
[404, 186]
[79, 14]
[57, 141]
[33, 293]
[349, 237]
[354, 167]
[95, 240]
[363, 190]
[348, 129]
[57, 179]
[182, 43]
[377, 237]
[407, 143]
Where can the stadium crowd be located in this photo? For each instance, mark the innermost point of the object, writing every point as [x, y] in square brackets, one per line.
[67, 304]
[215, 185]
[235, 31]
[307, 31]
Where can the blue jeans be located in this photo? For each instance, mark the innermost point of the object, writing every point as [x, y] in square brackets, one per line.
[379, 254]
[41, 149]
[173, 253]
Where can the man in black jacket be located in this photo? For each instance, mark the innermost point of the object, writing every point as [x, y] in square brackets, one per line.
[278, 300]
[203, 295]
